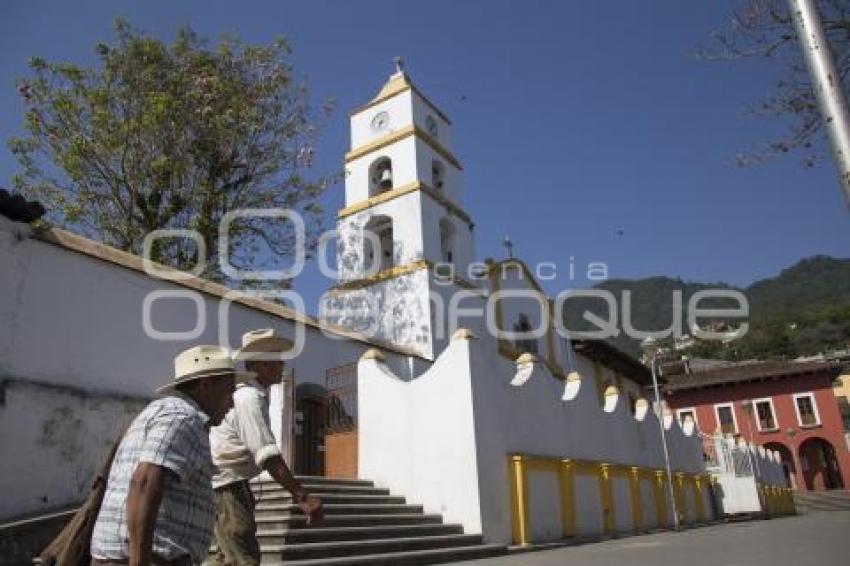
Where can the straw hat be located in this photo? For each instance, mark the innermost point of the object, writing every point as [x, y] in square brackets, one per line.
[262, 341]
[203, 362]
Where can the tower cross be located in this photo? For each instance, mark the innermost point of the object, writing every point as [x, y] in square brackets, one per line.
[399, 64]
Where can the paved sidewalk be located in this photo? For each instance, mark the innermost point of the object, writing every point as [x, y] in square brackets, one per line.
[821, 539]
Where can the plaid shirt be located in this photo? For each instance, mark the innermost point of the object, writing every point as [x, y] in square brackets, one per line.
[171, 432]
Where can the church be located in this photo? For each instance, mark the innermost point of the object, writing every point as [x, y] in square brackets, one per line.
[428, 374]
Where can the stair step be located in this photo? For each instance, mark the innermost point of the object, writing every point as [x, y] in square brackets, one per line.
[332, 498]
[315, 480]
[322, 488]
[299, 521]
[272, 509]
[321, 534]
[431, 556]
[373, 546]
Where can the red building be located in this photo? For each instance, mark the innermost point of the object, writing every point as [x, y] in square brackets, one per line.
[789, 407]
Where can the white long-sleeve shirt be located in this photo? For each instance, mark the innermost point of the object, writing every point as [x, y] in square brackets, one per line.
[243, 441]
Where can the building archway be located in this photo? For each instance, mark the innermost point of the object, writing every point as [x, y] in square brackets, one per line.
[787, 457]
[380, 176]
[819, 465]
[378, 251]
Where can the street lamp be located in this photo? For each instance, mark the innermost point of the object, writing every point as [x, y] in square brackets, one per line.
[650, 350]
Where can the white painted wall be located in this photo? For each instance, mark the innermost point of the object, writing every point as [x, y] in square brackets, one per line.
[419, 437]
[73, 321]
[503, 419]
[394, 310]
[53, 442]
[399, 109]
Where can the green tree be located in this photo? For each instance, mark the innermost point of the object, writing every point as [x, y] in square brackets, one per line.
[764, 28]
[173, 136]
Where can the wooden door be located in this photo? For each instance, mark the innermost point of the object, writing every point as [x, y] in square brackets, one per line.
[341, 436]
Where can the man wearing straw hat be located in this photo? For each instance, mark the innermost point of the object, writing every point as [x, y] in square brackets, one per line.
[243, 447]
[159, 507]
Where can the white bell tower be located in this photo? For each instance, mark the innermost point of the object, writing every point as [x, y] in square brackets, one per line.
[402, 223]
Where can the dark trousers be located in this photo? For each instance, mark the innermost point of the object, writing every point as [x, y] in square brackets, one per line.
[235, 528]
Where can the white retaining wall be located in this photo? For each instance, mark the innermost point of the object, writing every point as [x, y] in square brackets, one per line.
[425, 438]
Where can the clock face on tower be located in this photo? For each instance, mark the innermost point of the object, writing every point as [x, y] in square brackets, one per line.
[380, 121]
[431, 124]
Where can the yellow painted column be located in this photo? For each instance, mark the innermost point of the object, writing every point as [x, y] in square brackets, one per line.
[636, 499]
[660, 495]
[566, 478]
[606, 496]
[520, 514]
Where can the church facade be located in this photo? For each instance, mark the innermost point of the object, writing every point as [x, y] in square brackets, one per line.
[440, 377]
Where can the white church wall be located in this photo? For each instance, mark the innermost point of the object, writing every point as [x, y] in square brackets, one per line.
[433, 213]
[54, 440]
[524, 418]
[647, 499]
[73, 326]
[418, 438]
[622, 504]
[544, 498]
[394, 310]
[452, 187]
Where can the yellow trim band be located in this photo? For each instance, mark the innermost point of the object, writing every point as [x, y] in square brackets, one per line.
[398, 271]
[400, 134]
[390, 273]
[400, 192]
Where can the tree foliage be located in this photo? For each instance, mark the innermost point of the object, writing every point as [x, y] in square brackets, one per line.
[172, 136]
[764, 28]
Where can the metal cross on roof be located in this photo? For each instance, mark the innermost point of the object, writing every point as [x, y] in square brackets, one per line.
[399, 64]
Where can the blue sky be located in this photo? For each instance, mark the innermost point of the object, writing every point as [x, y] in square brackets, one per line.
[574, 120]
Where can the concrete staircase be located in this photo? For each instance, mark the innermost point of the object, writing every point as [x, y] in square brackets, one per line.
[362, 525]
[833, 500]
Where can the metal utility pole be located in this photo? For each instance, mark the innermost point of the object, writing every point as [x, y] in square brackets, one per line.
[650, 348]
[826, 83]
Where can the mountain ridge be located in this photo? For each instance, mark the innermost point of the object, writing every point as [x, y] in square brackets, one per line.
[801, 311]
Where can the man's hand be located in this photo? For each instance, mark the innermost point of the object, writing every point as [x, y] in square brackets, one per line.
[312, 507]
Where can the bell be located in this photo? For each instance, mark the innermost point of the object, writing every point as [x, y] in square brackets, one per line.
[386, 181]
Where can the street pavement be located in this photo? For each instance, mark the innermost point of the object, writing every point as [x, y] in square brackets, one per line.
[818, 538]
